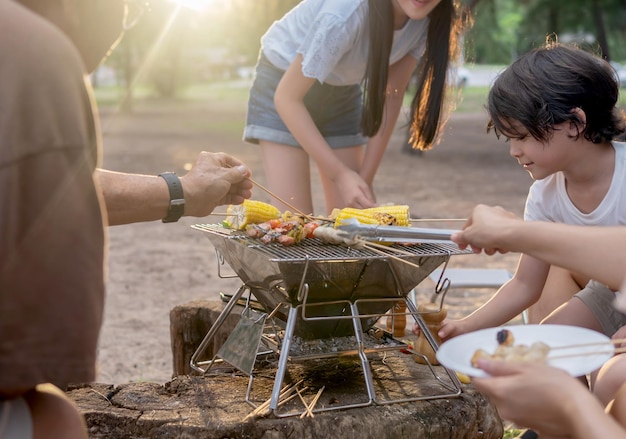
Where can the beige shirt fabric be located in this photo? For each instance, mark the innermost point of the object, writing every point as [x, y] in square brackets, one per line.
[52, 236]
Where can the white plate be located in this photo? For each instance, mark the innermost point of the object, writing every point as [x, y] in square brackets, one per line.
[457, 352]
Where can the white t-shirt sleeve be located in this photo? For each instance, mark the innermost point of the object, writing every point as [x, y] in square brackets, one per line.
[324, 45]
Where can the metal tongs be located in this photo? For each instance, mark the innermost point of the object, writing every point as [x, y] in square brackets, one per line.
[353, 229]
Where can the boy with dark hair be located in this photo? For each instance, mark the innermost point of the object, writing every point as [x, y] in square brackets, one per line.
[538, 396]
[556, 106]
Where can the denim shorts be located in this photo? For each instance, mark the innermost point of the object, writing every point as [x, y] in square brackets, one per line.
[336, 111]
[600, 298]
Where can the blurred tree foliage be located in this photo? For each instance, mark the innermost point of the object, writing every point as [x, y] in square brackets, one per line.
[252, 19]
[172, 46]
[504, 29]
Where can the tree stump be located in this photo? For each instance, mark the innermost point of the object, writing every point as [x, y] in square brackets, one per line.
[217, 405]
[213, 407]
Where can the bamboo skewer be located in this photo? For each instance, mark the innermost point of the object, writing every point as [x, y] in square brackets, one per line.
[388, 247]
[292, 207]
[375, 248]
[324, 218]
[307, 410]
[317, 397]
[286, 392]
[595, 343]
[309, 217]
[262, 410]
[395, 258]
[434, 220]
[272, 194]
[582, 354]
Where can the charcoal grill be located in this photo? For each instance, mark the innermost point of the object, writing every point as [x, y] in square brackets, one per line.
[316, 290]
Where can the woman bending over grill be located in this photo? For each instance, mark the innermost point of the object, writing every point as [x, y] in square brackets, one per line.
[306, 101]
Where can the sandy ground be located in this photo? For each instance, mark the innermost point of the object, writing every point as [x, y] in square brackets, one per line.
[155, 266]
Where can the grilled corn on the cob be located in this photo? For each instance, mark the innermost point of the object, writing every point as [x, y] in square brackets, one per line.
[250, 212]
[394, 215]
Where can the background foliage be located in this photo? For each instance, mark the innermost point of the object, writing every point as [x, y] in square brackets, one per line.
[504, 29]
[172, 47]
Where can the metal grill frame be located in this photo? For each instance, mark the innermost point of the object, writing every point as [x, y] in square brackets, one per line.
[284, 277]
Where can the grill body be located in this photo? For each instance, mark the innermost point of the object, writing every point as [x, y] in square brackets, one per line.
[317, 274]
[316, 290]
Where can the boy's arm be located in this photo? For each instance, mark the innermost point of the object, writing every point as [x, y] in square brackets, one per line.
[512, 298]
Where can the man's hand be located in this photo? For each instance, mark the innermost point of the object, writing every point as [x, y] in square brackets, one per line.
[486, 229]
[215, 179]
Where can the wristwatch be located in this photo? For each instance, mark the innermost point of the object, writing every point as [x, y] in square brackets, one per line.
[177, 197]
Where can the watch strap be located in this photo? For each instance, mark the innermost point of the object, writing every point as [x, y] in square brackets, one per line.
[177, 197]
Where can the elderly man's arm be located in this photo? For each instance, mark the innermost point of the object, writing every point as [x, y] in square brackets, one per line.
[215, 179]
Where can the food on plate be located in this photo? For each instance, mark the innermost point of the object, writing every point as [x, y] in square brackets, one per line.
[238, 216]
[507, 350]
[505, 337]
[393, 215]
[465, 379]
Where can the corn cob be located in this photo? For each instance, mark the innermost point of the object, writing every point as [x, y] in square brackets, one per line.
[250, 212]
[394, 215]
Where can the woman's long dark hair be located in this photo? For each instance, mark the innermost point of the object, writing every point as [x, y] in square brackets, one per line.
[444, 29]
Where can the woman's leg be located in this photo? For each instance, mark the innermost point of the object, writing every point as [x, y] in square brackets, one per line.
[288, 175]
[560, 286]
[352, 157]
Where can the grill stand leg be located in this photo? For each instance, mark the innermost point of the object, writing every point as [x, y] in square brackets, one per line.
[365, 364]
[284, 357]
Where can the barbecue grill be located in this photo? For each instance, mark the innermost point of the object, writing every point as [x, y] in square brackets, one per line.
[314, 291]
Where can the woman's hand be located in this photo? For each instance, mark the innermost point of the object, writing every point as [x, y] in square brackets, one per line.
[354, 190]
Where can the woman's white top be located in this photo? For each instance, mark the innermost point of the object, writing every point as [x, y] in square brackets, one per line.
[548, 200]
[332, 36]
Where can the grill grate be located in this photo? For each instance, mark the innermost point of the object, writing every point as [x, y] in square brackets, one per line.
[315, 250]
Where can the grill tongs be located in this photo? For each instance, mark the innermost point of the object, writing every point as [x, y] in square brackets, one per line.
[353, 229]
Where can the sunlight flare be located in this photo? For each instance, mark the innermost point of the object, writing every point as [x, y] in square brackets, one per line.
[196, 5]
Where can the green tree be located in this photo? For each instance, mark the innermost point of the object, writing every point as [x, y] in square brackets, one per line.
[505, 28]
[250, 20]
